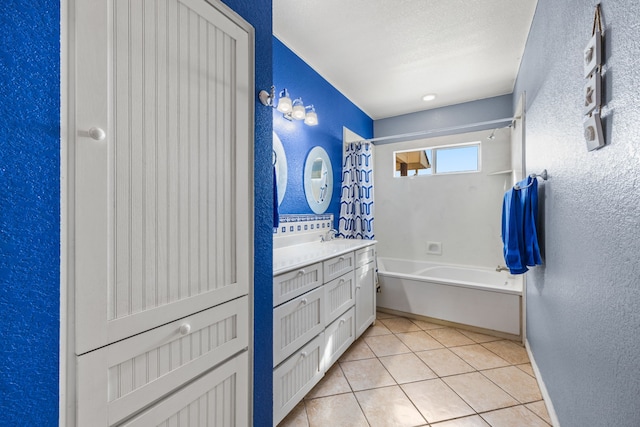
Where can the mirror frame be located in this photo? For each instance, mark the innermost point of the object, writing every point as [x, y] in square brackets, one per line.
[280, 163]
[318, 152]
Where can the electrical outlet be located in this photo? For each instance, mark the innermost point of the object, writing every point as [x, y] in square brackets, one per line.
[434, 248]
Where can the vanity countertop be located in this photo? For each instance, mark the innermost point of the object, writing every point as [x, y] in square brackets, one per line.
[291, 257]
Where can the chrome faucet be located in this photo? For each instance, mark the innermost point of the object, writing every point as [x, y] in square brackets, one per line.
[329, 235]
[502, 268]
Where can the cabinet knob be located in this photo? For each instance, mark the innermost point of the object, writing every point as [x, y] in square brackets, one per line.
[341, 258]
[97, 134]
[342, 321]
[303, 354]
[185, 329]
[300, 272]
[303, 301]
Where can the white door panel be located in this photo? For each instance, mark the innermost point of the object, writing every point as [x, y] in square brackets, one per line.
[162, 204]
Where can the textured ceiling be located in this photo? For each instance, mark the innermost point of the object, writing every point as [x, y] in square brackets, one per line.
[384, 55]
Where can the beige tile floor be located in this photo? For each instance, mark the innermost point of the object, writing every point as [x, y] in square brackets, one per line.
[404, 372]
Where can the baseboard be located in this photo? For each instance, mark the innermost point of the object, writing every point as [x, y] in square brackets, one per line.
[543, 388]
[493, 333]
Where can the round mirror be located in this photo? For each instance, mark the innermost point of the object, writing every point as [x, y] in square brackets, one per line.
[318, 180]
[280, 164]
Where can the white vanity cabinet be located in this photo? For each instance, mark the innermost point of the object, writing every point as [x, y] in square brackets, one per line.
[320, 307]
[365, 289]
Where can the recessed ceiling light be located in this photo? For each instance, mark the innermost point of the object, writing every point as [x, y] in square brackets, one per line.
[429, 97]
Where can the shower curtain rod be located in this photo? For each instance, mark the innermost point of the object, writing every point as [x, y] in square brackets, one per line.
[507, 120]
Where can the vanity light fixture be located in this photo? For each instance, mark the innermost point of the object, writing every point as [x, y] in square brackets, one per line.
[290, 109]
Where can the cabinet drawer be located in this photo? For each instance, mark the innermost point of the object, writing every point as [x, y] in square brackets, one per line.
[336, 267]
[339, 336]
[296, 377]
[339, 295]
[219, 398]
[365, 255]
[296, 322]
[117, 380]
[294, 283]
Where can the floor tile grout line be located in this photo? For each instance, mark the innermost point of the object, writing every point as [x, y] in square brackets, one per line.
[444, 346]
[475, 370]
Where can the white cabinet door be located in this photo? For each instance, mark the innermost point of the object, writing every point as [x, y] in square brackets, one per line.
[217, 399]
[339, 295]
[365, 297]
[336, 267]
[338, 337]
[120, 379]
[296, 377]
[296, 322]
[161, 160]
[289, 285]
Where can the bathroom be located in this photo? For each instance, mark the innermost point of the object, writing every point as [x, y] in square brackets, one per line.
[582, 303]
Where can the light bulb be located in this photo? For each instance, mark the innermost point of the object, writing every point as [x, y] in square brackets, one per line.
[311, 119]
[284, 103]
[298, 111]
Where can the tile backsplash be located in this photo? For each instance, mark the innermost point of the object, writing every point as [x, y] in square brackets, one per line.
[297, 224]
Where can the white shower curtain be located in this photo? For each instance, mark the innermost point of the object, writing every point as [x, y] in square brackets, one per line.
[356, 198]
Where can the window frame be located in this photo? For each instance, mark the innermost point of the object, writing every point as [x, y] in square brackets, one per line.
[434, 158]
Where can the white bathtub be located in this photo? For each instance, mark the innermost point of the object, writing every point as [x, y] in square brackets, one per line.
[473, 296]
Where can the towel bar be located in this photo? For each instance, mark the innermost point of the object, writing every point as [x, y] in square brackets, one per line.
[542, 175]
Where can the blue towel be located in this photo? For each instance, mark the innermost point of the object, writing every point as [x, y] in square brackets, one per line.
[519, 233]
[276, 215]
[529, 197]
[512, 235]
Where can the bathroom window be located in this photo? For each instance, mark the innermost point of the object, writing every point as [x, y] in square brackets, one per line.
[459, 158]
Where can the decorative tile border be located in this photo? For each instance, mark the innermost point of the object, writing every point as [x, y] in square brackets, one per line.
[296, 224]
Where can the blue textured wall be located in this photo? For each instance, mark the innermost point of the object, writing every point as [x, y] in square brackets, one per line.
[29, 212]
[334, 111]
[258, 14]
[483, 110]
[583, 304]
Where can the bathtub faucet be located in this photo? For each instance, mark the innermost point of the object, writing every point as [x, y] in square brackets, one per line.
[502, 268]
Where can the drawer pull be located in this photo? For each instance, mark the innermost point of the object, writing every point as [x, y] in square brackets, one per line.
[185, 329]
[300, 272]
[303, 354]
[303, 301]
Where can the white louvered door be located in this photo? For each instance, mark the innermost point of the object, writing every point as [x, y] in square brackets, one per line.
[163, 211]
